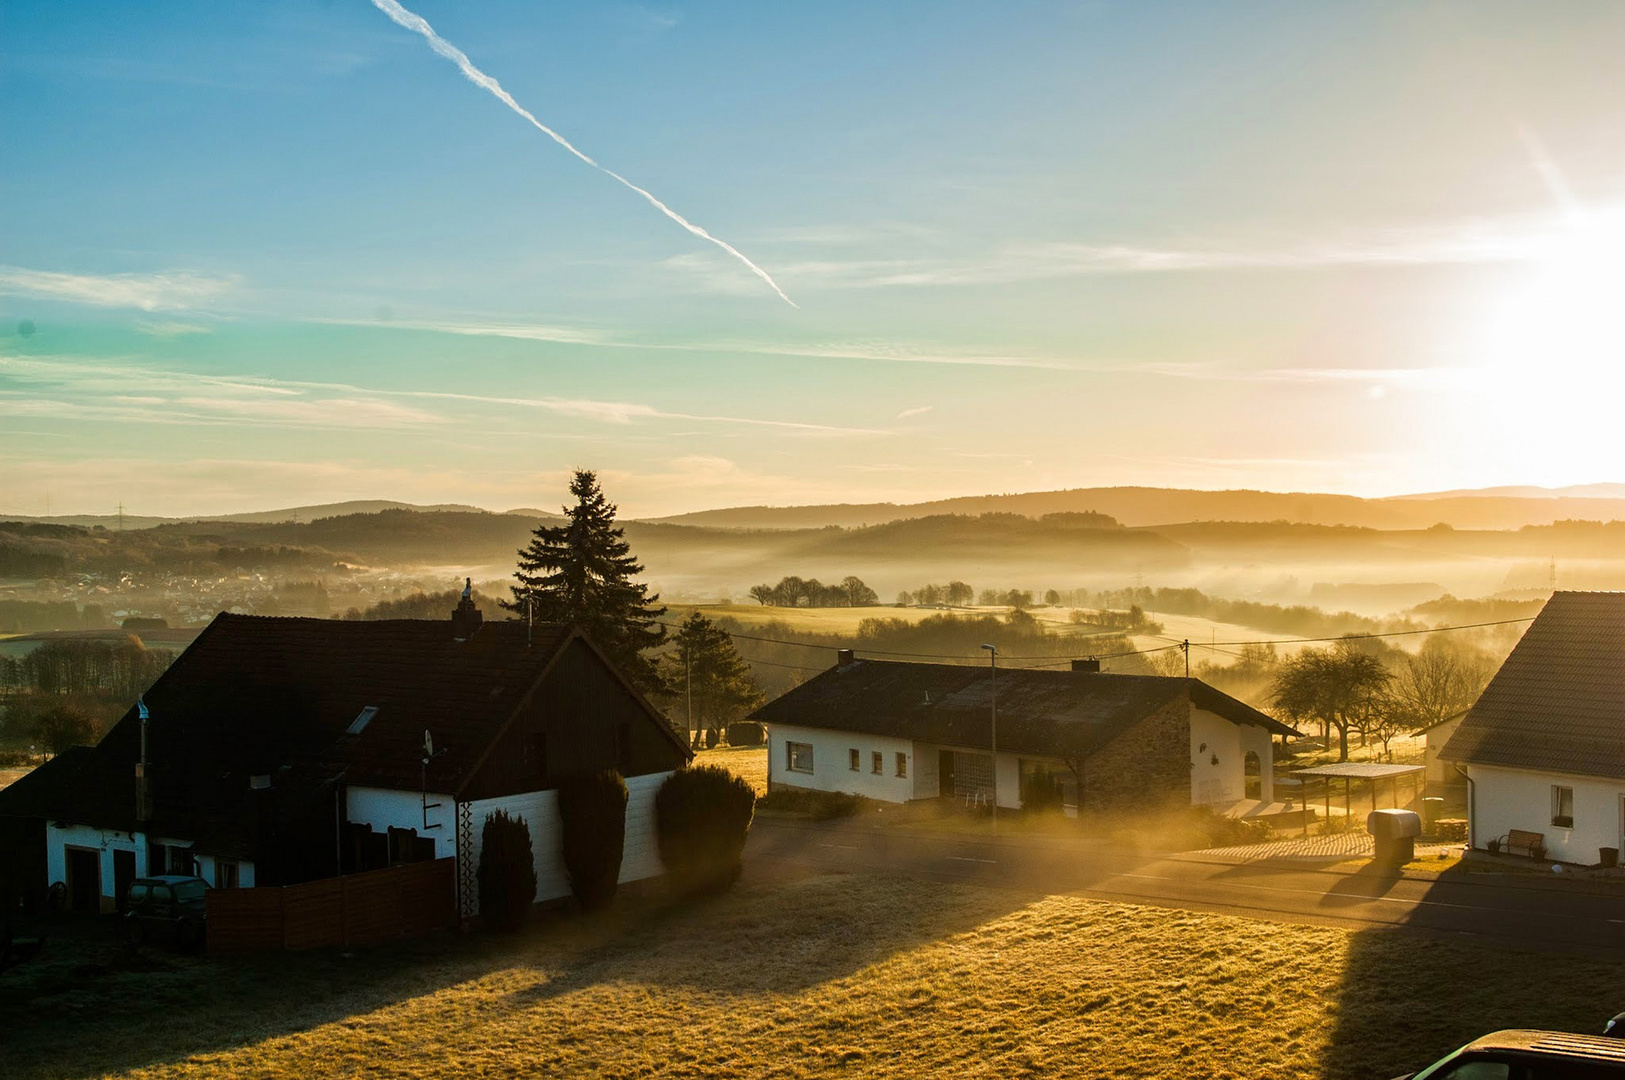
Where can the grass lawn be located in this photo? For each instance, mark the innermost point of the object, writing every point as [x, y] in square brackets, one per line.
[793, 976]
[748, 762]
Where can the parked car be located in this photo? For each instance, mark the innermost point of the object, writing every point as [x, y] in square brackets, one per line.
[1519, 1054]
[168, 907]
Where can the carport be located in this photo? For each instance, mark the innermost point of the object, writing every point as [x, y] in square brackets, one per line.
[1372, 772]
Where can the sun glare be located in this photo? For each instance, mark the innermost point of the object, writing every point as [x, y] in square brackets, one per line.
[1553, 353]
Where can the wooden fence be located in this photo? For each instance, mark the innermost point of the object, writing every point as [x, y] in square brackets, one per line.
[357, 909]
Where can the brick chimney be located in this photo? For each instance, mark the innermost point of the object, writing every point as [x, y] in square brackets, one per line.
[844, 657]
[1090, 665]
[466, 620]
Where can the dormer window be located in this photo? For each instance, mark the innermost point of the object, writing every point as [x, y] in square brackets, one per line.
[359, 724]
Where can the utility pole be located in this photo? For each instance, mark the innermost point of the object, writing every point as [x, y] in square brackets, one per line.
[688, 691]
[120, 517]
[993, 716]
[1186, 645]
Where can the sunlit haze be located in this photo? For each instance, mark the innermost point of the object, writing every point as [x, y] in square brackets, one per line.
[276, 255]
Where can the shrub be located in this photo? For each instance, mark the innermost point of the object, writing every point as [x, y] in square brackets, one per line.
[592, 819]
[507, 872]
[702, 816]
[819, 805]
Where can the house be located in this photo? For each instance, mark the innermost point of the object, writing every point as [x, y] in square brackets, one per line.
[1440, 773]
[282, 750]
[897, 732]
[1543, 748]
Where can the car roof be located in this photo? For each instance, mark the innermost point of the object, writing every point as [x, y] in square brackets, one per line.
[1556, 1043]
[166, 879]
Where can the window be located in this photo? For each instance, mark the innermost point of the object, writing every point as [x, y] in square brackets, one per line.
[363, 718]
[877, 763]
[852, 759]
[798, 757]
[902, 764]
[225, 874]
[1562, 807]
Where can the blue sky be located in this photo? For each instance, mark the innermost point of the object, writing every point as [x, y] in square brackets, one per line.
[270, 254]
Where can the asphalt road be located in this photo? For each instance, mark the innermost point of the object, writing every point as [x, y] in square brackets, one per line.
[1556, 916]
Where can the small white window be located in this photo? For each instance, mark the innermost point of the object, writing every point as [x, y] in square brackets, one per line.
[1562, 807]
[902, 765]
[798, 757]
[852, 759]
[877, 763]
[359, 724]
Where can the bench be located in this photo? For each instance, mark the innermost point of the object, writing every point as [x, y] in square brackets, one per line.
[1520, 842]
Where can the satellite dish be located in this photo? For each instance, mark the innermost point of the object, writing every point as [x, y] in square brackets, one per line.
[428, 744]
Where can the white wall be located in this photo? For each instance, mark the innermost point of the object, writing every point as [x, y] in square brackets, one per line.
[1216, 785]
[105, 841]
[1441, 772]
[382, 809]
[206, 868]
[640, 858]
[1506, 799]
[831, 771]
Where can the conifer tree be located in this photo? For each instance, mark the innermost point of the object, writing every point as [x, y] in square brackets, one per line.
[582, 572]
[706, 674]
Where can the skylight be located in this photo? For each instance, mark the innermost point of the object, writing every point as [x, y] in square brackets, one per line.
[359, 724]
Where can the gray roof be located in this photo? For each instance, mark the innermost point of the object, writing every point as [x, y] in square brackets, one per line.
[1558, 703]
[1040, 712]
[1360, 770]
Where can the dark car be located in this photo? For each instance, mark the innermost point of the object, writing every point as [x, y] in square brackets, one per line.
[1519, 1054]
[169, 907]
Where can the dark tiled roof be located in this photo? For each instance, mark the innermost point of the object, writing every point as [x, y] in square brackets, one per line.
[256, 695]
[1040, 712]
[1558, 703]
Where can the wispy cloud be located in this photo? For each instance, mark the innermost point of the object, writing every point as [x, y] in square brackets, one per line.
[170, 328]
[916, 411]
[139, 393]
[441, 46]
[173, 291]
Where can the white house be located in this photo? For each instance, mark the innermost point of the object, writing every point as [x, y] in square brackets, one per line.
[897, 732]
[1543, 749]
[277, 751]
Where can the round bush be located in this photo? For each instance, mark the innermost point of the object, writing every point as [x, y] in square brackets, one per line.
[507, 872]
[592, 834]
[702, 816]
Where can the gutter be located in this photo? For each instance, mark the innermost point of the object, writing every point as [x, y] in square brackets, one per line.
[1472, 807]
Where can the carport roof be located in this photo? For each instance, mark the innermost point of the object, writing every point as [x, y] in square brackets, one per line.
[1360, 770]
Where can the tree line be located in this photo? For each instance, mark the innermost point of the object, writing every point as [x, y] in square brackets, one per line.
[792, 591]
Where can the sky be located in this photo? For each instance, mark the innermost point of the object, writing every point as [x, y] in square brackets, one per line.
[260, 255]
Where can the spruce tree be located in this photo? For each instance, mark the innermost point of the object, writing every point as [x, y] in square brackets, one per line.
[705, 673]
[582, 572]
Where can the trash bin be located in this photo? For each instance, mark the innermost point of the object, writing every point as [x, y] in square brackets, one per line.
[1394, 833]
[1608, 856]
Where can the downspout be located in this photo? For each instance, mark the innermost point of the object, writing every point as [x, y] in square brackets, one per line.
[1472, 808]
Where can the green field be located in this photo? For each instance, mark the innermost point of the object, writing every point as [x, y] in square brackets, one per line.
[789, 976]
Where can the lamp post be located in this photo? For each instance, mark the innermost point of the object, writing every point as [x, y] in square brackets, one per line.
[993, 715]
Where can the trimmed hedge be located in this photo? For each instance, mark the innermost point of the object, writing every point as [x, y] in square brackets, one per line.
[592, 834]
[818, 805]
[507, 872]
[702, 816]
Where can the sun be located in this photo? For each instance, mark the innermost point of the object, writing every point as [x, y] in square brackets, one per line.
[1551, 356]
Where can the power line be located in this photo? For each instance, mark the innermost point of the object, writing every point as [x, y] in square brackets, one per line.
[1389, 634]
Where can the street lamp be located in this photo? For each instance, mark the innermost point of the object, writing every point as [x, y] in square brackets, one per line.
[993, 713]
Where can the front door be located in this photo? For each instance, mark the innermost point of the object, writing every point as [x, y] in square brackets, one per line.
[123, 877]
[945, 773]
[84, 867]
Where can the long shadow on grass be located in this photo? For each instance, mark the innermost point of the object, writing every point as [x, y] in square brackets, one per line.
[1475, 960]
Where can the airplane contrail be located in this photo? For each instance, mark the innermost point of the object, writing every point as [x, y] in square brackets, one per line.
[419, 24]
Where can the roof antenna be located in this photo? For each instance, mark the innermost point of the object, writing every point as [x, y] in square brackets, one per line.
[530, 619]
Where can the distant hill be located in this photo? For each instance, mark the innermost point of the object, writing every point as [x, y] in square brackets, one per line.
[1152, 507]
[292, 513]
[1577, 491]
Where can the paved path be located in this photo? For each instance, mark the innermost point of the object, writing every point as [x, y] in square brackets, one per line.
[1534, 913]
[1310, 849]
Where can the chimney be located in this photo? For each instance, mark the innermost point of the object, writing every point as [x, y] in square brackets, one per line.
[844, 657]
[466, 620]
[1090, 665]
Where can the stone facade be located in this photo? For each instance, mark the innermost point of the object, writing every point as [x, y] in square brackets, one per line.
[1146, 767]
